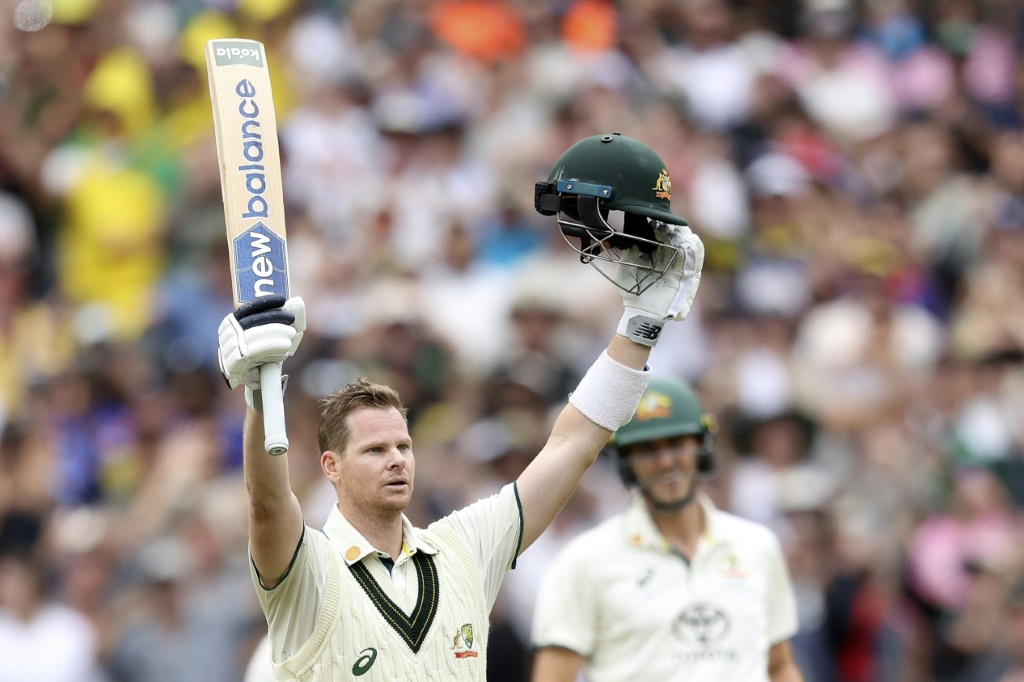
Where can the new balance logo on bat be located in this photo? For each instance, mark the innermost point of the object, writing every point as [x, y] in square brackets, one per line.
[259, 253]
[252, 151]
[260, 256]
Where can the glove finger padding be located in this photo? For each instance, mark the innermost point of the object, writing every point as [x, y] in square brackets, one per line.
[254, 335]
[258, 305]
[669, 234]
[297, 307]
[277, 316]
[231, 348]
[233, 380]
[680, 261]
[633, 268]
[689, 263]
[268, 343]
[671, 296]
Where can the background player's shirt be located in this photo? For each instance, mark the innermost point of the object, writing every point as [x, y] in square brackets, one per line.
[636, 609]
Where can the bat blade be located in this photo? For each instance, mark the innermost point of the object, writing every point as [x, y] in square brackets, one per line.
[245, 126]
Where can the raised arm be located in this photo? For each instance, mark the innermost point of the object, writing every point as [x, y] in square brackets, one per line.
[275, 517]
[574, 444]
[268, 331]
[608, 395]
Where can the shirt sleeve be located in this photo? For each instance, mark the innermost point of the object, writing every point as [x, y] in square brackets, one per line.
[493, 529]
[291, 606]
[782, 620]
[567, 611]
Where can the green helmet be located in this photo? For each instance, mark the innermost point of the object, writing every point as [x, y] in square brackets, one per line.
[667, 409]
[605, 173]
[625, 173]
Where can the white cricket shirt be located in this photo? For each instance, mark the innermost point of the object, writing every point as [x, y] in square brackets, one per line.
[492, 528]
[635, 609]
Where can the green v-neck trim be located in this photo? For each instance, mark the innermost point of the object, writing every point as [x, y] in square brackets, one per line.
[413, 628]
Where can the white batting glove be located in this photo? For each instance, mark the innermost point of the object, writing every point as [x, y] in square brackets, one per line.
[267, 329]
[671, 296]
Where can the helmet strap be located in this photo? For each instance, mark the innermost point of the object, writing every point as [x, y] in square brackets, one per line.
[593, 231]
[589, 209]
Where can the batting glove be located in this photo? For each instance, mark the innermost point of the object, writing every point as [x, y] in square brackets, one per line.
[266, 329]
[668, 298]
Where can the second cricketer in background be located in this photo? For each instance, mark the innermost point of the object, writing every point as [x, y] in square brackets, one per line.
[672, 588]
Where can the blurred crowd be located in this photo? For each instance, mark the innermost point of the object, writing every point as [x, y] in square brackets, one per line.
[855, 168]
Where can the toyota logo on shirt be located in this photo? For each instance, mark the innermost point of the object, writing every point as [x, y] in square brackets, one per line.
[701, 623]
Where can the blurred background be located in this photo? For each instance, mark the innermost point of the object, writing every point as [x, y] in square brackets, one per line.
[855, 168]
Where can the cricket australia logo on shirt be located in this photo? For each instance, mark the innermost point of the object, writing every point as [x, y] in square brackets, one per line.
[730, 566]
[463, 642]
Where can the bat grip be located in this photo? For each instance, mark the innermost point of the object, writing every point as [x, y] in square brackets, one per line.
[275, 437]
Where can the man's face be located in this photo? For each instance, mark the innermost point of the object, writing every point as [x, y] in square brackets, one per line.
[666, 468]
[376, 471]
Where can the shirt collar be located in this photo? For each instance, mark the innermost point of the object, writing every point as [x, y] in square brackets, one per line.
[354, 547]
[642, 533]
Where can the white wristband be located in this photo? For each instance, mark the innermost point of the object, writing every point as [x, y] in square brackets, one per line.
[640, 327]
[609, 392]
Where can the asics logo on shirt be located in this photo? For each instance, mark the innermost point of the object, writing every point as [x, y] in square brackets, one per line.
[364, 662]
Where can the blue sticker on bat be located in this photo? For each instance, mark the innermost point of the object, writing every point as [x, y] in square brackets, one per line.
[261, 263]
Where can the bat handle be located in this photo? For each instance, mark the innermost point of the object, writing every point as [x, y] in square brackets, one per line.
[275, 437]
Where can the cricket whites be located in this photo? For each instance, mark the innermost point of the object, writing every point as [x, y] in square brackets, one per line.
[250, 173]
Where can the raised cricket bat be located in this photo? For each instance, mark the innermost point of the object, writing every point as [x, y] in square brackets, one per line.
[250, 180]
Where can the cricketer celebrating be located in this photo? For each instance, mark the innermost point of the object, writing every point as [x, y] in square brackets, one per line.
[671, 588]
[371, 595]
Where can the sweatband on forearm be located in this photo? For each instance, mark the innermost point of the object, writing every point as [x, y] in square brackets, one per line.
[609, 392]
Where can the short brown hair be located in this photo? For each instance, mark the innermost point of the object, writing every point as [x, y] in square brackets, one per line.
[335, 408]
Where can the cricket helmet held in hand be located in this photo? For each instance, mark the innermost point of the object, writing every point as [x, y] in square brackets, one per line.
[597, 179]
[667, 409]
